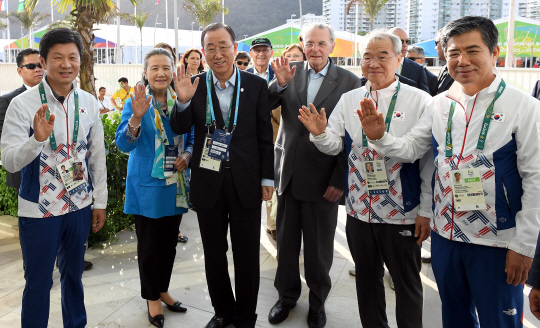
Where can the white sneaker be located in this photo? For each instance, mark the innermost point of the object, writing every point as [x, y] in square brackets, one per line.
[352, 271]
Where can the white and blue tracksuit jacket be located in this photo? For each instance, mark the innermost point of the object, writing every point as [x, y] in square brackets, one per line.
[42, 192]
[509, 164]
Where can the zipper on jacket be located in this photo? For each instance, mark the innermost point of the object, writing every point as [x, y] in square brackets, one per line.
[67, 132]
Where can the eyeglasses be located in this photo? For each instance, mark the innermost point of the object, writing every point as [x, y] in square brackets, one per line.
[295, 56]
[366, 60]
[213, 51]
[264, 50]
[405, 41]
[241, 63]
[415, 58]
[453, 56]
[31, 66]
[310, 45]
[437, 43]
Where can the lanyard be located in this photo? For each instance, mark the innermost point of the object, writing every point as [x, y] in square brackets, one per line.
[75, 124]
[210, 118]
[485, 124]
[102, 103]
[389, 115]
[162, 114]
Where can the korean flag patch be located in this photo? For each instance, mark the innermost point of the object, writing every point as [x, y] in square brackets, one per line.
[498, 117]
[83, 111]
[398, 115]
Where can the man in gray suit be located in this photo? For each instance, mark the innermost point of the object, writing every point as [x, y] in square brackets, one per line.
[308, 182]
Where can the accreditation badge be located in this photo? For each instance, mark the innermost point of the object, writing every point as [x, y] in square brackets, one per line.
[72, 175]
[376, 179]
[208, 162]
[171, 154]
[220, 145]
[468, 190]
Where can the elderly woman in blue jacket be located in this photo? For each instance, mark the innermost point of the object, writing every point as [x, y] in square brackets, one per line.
[157, 179]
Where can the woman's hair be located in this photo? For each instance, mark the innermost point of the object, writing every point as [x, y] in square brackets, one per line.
[186, 56]
[155, 52]
[242, 55]
[167, 46]
[293, 46]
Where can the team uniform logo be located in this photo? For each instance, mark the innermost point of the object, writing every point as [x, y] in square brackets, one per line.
[498, 117]
[398, 115]
[83, 111]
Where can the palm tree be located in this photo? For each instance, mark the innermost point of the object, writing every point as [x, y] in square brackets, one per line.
[204, 11]
[138, 19]
[371, 7]
[86, 13]
[28, 19]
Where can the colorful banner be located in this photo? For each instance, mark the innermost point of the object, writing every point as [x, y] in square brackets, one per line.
[526, 39]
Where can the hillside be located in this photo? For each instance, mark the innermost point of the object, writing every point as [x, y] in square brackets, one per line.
[247, 17]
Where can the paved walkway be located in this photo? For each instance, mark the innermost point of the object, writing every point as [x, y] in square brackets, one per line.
[112, 286]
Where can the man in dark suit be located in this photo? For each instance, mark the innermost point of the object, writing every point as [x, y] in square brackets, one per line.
[308, 182]
[30, 70]
[444, 80]
[416, 54]
[261, 52]
[227, 192]
[536, 90]
[407, 67]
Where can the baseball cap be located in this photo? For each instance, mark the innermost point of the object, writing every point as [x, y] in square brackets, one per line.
[260, 42]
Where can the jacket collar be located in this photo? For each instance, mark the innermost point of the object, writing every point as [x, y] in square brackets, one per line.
[50, 92]
[456, 90]
[386, 92]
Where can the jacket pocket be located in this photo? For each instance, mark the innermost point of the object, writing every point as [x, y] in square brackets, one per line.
[145, 173]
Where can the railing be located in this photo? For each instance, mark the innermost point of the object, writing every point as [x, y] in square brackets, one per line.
[107, 76]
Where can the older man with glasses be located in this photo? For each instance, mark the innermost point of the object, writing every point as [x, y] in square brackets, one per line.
[261, 51]
[485, 225]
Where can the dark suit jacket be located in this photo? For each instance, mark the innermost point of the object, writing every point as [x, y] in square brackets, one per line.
[12, 179]
[402, 79]
[415, 72]
[297, 158]
[270, 71]
[536, 90]
[444, 83]
[250, 152]
[432, 82]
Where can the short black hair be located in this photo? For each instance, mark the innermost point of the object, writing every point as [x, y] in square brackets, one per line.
[123, 79]
[242, 54]
[101, 88]
[486, 27]
[26, 52]
[59, 35]
[217, 26]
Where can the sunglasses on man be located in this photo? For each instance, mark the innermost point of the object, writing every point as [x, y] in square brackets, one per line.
[31, 66]
[241, 63]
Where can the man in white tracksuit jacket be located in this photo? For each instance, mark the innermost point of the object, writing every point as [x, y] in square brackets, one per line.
[385, 225]
[485, 137]
[62, 163]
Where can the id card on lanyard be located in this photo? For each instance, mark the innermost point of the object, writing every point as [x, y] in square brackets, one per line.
[468, 192]
[71, 171]
[219, 146]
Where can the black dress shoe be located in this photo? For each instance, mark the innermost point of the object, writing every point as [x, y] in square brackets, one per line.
[176, 307]
[158, 320]
[88, 265]
[279, 312]
[316, 319]
[218, 322]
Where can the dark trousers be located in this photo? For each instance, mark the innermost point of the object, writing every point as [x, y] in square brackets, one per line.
[371, 245]
[156, 250]
[42, 240]
[471, 280]
[245, 225]
[316, 223]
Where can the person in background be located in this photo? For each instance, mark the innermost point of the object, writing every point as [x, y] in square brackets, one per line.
[261, 52]
[416, 54]
[194, 58]
[104, 103]
[121, 95]
[294, 52]
[242, 60]
[181, 237]
[31, 72]
[155, 188]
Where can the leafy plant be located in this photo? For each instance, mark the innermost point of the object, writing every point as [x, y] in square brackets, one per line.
[139, 20]
[9, 203]
[116, 183]
[28, 19]
[203, 11]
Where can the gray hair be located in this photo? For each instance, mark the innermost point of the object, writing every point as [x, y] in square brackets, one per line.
[417, 50]
[155, 52]
[381, 34]
[319, 26]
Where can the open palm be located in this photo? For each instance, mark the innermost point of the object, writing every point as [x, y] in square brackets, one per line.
[139, 102]
[372, 121]
[183, 86]
[312, 120]
[42, 127]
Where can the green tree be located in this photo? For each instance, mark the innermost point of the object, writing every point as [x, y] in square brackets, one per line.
[370, 7]
[204, 11]
[139, 19]
[86, 13]
[28, 19]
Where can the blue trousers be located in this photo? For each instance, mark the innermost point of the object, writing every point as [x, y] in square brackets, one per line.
[42, 240]
[471, 278]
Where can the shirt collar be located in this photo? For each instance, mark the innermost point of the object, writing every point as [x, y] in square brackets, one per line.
[322, 72]
[265, 72]
[386, 92]
[402, 60]
[456, 90]
[231, 81]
